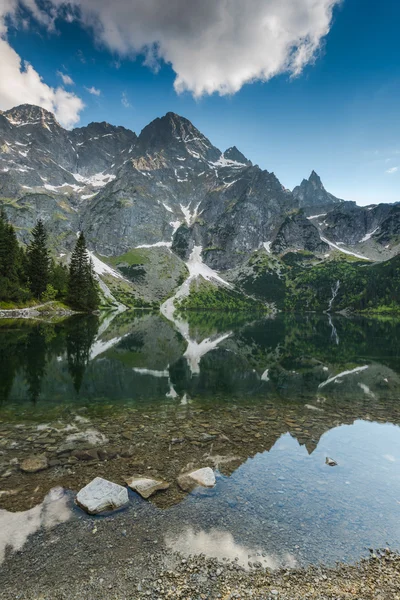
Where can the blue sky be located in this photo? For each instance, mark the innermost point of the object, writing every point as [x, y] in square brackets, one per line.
[339, 116]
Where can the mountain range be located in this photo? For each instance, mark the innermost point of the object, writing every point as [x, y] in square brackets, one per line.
[166, 206]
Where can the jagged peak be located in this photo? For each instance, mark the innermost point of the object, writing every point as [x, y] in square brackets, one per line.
[169, 127]
[234, 154]
[94, 126]
[30, 114]
[315, 178]
[175, 131]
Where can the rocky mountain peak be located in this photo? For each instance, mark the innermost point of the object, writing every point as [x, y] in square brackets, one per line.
[177, 134]
[165, 130]
[315, 180]
[311, 194]
[234, 154]
[29, 114]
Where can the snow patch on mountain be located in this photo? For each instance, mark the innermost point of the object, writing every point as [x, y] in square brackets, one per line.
[156, 245]
[317, 216]
[190, 216]
[368, 236]
[101, 268]
[96, 180]
[226, 162]
[337, 247]
[267, 246]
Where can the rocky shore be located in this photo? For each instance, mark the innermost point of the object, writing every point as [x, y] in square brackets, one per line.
[64, 553]
[115, 572]
[48, 309]
[71, 448]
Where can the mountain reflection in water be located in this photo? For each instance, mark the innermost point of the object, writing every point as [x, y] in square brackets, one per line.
[137, 358]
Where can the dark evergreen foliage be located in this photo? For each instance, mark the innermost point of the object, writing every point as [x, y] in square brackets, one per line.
[83, 293]
[58, 278]
[27, 274]
[38, 260]
[11, 264]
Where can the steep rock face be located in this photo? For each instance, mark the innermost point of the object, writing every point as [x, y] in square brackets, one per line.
[101, 147]
[175, 135]
[176, 176]
[240, 215]
[234, 154]
[389, 230]
[61, 220]
[298, 233]
[39, 153]
[169, 187]
[312, 196]
[352, 224]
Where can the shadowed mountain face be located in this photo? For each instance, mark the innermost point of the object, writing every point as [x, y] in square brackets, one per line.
[312, 196]
[168, 183]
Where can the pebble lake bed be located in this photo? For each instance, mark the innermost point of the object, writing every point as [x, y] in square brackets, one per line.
[291, 424]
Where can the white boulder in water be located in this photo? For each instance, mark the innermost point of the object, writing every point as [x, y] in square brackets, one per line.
[201, 477]
[145, 486]
[100, 495]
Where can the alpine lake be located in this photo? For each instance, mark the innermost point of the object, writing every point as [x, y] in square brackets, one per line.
[264, 401]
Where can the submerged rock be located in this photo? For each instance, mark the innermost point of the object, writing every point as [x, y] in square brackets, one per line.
[100, 495]
[33, 464]
[201, 477]
[146, 486]
[90, 454]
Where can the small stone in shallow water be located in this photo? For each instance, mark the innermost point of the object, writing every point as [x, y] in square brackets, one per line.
[100, 495]
[145, 486]
[33, 464]
[330, 462]
[90, 454]
[202, 477]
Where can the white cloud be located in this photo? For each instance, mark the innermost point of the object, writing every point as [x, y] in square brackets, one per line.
[212, 45]
[94, 91]
[124, 100]
[66, 79]
[21, 84]
[392, 170]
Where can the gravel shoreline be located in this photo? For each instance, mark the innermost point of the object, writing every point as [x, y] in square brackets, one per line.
[128, 556]
[169, 575]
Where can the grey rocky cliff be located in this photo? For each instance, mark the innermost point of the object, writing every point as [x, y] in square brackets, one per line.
[167, 187]
[312, 196]
[298, 233]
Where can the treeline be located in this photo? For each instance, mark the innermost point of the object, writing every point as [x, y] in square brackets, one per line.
[360, 287]
[31, 275]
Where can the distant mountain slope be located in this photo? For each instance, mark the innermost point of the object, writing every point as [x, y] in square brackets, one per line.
[170, 189]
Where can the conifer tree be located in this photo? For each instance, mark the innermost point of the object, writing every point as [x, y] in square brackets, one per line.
[83, 291]
[38, 260]
[11, 260]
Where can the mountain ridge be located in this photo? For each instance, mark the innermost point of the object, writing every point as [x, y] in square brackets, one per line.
[170, 187]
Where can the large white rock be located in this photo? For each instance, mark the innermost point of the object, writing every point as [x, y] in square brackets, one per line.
[100, 495]
[204, 477]
[145, 486]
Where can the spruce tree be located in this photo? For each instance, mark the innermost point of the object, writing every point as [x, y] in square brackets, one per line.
[11, 261]
[83, 291]
[38, 260]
